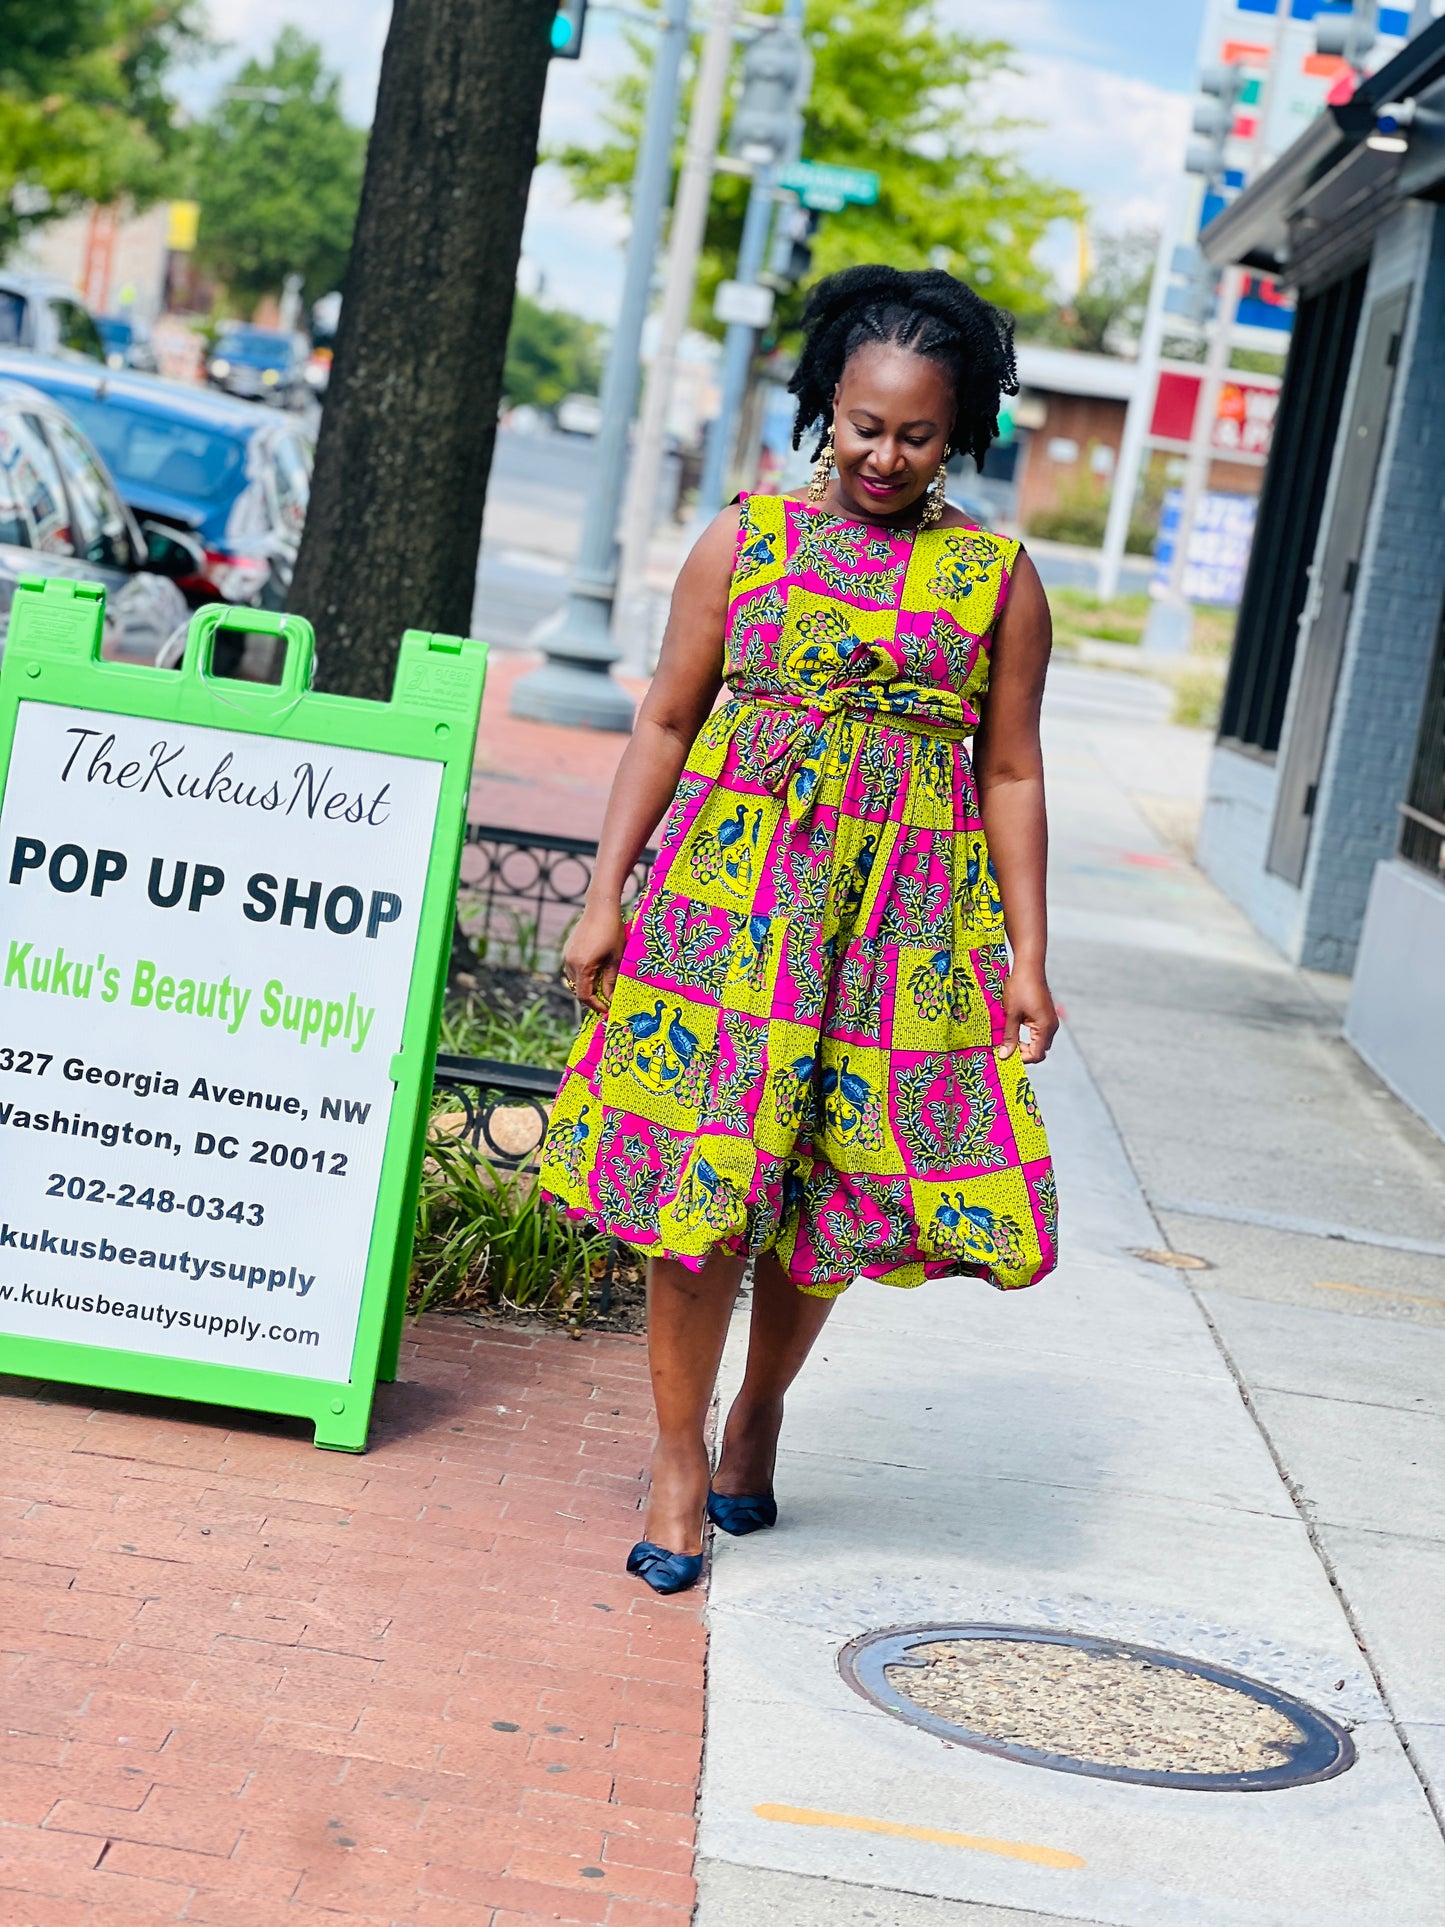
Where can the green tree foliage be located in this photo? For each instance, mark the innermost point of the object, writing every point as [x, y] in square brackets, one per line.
[896, 90]
[550, 353]
[1106, 314]
[84, 114]
[278, 171]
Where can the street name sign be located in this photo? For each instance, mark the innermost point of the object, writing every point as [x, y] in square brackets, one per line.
[828, 188]
[225, 914]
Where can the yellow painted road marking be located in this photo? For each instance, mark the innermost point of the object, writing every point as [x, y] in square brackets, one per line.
[1378, 1291]
[935, 1836]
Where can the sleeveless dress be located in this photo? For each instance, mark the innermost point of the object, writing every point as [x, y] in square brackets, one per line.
[798, 1053]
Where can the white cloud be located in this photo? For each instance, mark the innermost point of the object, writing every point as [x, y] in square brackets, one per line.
[351, 36]
[1116, 139]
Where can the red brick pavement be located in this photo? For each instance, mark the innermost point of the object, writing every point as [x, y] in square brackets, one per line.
[251, 1684]
[535, 776]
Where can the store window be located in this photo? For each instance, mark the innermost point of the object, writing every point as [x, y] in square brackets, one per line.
[1291, 505]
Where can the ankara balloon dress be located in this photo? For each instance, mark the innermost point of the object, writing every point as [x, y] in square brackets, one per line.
[798, 1055]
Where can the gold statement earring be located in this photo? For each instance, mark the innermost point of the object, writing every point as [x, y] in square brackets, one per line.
[937, 498]
[822, 471]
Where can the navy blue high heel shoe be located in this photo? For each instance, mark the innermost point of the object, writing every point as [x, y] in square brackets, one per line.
[662, 1570]
[742, 1514]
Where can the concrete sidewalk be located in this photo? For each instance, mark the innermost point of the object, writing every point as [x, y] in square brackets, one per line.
[1242, 1464]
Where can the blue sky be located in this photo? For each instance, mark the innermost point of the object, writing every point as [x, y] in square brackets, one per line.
[1154, 43]
[1109, 81]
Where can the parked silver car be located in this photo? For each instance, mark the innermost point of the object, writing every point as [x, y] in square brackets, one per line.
[61, 514]
[48, 318]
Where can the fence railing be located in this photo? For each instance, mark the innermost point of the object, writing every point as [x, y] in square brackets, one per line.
[519, 894]
[517, 897]
[499, 1104]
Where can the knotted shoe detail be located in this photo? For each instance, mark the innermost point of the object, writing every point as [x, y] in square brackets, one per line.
[664, 1571]
[742, 1513]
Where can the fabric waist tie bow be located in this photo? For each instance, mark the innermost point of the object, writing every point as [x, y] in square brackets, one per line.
[795, 760]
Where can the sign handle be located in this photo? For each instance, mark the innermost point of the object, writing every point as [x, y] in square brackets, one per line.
[295, 631]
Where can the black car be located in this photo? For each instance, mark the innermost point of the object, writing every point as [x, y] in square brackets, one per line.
[234, 476]
[259, 364]
[61, 515]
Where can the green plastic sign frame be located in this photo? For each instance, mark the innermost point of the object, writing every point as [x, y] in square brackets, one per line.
[139, 859]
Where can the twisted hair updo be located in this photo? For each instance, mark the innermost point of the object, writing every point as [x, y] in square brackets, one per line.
[925, 311]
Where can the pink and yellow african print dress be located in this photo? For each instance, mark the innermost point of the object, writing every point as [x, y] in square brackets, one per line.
[798, 1054]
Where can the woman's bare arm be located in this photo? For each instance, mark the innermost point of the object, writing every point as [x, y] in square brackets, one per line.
[1008, 763]
[683, 691]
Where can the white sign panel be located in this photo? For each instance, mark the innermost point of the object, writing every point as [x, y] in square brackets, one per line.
[206, 945]
[743, 304]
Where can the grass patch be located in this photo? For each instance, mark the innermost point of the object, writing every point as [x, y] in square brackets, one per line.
[1198, 692]
[1081, 616]
[1213, 630]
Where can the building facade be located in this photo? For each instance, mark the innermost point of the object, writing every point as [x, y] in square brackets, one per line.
[1325, 818]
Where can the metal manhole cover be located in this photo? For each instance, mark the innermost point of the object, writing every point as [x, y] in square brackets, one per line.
[1096, 1706]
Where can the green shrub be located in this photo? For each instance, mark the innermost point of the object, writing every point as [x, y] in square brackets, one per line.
[538, 1031]
[1079, 614]
[1082, 511]
[1198, 692]
[486, 1236]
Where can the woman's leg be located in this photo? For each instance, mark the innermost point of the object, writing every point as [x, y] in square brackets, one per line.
[785, 1324]
[687, 1322]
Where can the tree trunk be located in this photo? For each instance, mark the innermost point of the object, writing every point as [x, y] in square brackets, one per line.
[395, 519]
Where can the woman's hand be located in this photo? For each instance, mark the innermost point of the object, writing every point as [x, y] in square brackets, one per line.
[1027, 999]
[592, 953]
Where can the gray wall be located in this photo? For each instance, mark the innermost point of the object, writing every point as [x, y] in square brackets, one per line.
[1396, 617]
[1393, 625]
[1396, 1015]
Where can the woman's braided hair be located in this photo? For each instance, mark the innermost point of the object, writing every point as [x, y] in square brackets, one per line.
[929, 313]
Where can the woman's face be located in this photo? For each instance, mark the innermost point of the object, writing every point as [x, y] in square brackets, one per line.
[892, 413]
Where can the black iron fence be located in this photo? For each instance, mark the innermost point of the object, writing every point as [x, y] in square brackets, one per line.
[517, 897]
[504, 1107]
[519, 894]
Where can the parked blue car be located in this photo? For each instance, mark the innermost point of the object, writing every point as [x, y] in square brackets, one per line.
[61, 515]
[235, 475]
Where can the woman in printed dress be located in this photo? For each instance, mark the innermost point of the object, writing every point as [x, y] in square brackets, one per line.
[808, 1039]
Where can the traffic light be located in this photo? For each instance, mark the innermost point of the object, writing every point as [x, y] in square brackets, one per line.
[767, 125]
[567, 25]
[1350, 35]
[1214, 121]
[791, 258]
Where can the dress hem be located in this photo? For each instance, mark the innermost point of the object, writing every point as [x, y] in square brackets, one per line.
[735, 1247]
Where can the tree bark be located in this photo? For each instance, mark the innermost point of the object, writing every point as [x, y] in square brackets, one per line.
[406, 442]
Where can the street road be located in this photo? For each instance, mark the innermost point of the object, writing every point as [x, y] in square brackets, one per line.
[535, 503]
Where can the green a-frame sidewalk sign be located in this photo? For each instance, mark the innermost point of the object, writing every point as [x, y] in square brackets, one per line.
[225, 916]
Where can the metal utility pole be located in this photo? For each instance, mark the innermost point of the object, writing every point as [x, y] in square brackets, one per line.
[766, 126]
[1140, 410]
[1171, 618]
[1197, 465]
[573, 685]
[689, 220]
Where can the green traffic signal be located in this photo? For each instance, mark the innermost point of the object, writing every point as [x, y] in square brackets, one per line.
[567, 29]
